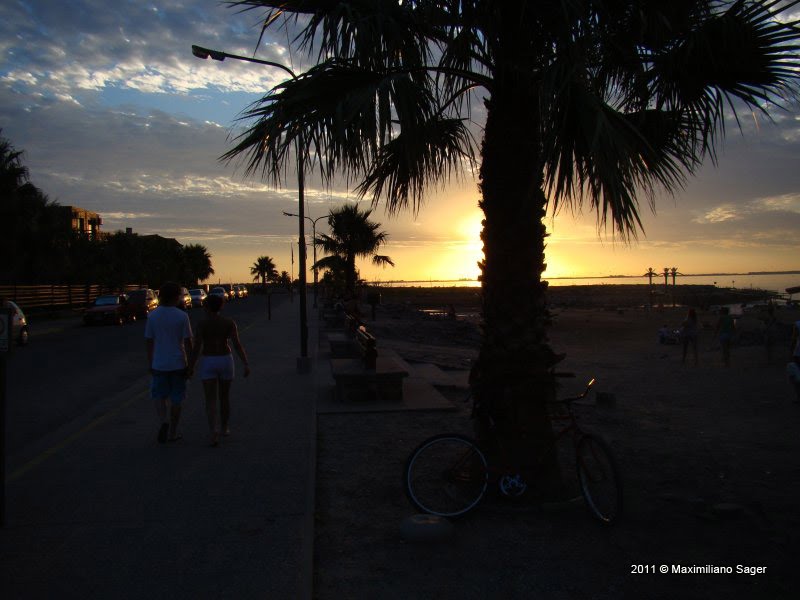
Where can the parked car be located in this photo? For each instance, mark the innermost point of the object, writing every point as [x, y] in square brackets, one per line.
[185, 299]
[218, 291]
[229, 291]
[142, 302]
[241, 291]
[198, 297]
[109, 309]
[19, 324]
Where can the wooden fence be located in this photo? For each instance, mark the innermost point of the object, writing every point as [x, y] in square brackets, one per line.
[43, 297]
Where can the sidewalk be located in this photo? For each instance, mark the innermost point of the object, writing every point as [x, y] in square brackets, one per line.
[110, 513]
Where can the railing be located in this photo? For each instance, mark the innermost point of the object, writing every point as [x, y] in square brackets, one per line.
[58, 296]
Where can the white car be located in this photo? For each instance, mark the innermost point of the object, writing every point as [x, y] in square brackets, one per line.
[198, 297]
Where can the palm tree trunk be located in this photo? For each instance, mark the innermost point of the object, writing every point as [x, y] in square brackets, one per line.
[512, 376]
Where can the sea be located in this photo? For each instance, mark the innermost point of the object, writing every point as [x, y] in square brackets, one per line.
[774, 282]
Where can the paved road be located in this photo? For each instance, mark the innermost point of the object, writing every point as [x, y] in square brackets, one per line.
[101, 510]
[69, 370]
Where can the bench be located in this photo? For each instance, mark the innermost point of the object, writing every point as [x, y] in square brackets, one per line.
[341, 342]
[369, 376]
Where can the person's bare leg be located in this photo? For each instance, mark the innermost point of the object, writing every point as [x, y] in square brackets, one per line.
[225, 404]
[161, 408]
[174, 419]
[210, 391]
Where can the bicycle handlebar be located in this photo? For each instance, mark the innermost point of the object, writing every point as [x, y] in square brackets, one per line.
[579, 397]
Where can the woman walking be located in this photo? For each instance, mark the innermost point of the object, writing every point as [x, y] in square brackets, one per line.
[216, 367]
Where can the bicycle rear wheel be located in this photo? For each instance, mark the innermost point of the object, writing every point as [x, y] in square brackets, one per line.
[447, 475]
[599, 479]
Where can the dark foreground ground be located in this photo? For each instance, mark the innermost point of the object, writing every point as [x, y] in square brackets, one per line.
[710, 459]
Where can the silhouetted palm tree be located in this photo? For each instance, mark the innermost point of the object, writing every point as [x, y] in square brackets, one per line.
[198, 262]
[33, 241]
[650, 274]
[13, 174]
[583, 100]
[352, 236]
[264, 269]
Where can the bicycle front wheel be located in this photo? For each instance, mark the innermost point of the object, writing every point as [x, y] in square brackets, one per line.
[447, 475]
[599, 479]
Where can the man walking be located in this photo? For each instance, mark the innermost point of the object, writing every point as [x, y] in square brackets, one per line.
[168, 337]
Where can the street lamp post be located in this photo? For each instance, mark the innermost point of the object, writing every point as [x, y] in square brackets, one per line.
[314, 234]
[303, 364]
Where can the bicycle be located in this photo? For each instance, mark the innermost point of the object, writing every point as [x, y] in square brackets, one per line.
[448, 475]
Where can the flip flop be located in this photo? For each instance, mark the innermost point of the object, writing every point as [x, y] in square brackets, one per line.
[176, 438]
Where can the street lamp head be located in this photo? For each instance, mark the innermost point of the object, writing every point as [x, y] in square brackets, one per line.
[288, 214]
[205, 53]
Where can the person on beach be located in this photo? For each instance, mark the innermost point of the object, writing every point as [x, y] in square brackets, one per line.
[168, 339]
[216, 367]
[451, 312]
[770, 332]
[724, 330]
[689, 335]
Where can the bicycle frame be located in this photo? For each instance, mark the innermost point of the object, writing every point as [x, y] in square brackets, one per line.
[518, 473]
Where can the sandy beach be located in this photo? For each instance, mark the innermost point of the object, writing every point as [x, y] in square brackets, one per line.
[708, 456]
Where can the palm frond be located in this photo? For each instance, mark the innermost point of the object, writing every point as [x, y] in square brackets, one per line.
[743, 56]
[334, 263]
[597, 152]
[382, 261]
[418, 157]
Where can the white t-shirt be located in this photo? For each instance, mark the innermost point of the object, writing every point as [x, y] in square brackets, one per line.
[168, 327]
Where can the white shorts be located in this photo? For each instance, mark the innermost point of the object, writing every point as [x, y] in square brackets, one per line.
[217, 367]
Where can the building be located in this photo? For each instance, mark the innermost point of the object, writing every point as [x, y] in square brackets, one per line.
[81, 221]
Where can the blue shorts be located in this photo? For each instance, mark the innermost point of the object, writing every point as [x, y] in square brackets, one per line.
[169, 384]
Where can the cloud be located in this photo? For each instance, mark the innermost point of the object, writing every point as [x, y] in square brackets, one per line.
[787, 203]
[727, 212]
[92, 45]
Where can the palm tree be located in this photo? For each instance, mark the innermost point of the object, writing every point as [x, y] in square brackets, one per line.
[13, 174]
[583, 101]
[32, 240]
[352, 235]
[285, 280]
[650, 274]
[264, 269]
[198, 262]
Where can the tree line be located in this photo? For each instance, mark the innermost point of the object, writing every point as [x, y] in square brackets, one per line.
[36, 247]
[352, 235]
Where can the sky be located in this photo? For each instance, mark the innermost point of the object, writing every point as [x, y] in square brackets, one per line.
[116, 116]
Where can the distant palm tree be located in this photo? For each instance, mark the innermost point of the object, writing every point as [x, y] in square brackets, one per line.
[264, 269]
[650, 274]
[285, 279]
[198, 262]
[352, 236]
[580, 101]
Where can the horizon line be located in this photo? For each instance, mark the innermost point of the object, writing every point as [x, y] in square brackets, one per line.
[659, 274]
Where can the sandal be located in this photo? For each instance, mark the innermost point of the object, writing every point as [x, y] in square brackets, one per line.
[176, 438]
